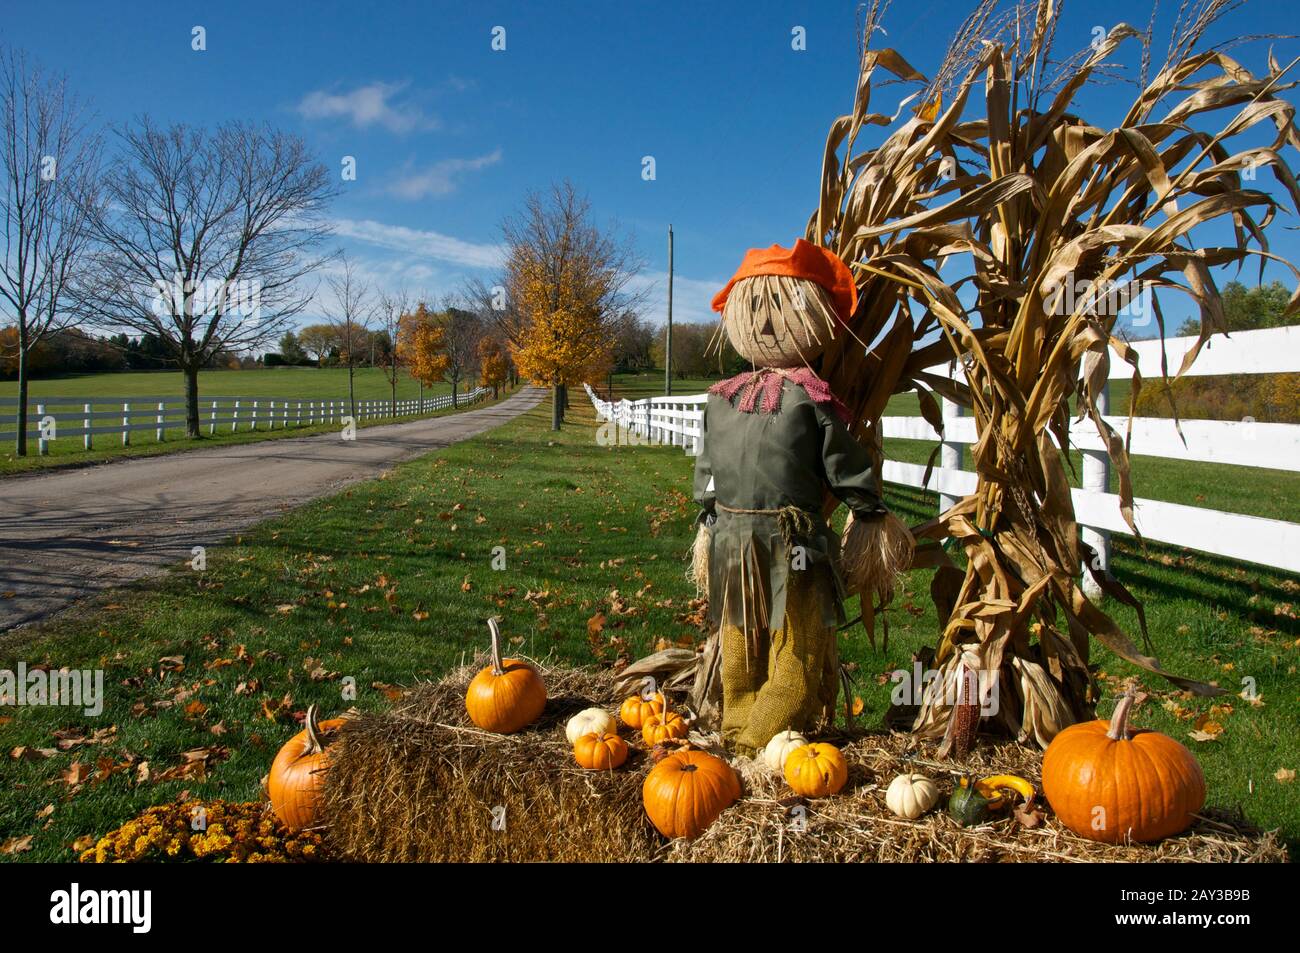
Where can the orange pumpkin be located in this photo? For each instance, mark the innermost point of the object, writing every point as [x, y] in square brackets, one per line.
[297, 773]
[635, 709]
[816, 770]
[1109, 783]
[600, 752]
[685, 792]
[668, 726]
[507, 695]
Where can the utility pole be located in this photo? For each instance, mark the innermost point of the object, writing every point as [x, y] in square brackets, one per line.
[668, 344]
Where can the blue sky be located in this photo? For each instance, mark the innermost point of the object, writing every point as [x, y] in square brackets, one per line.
[448, 134]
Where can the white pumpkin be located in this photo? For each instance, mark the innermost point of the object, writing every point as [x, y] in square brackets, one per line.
[911, 795]
[587, 721]
[779, 748]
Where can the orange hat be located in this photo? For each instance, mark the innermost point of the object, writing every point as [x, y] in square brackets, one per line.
[806, 260]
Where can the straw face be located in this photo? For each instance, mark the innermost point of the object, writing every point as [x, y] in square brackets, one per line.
[778, 321]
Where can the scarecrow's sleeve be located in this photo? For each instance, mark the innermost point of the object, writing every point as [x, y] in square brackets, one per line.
[848, 468]
[704, 493]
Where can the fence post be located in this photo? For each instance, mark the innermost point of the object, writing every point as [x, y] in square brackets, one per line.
[85, 425]
[270, 424]
[1096, 479]
[42, 445]
[254, 424]
[126, 425]
[298, 422]
[212, 420]
[158, 421]
[950, 452]
[234, 418]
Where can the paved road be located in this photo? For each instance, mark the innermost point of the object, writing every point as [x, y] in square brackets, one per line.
[66, 533]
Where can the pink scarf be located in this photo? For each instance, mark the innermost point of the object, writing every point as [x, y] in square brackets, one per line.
[766, 382]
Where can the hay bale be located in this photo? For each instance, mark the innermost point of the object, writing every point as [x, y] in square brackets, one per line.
[856, 826]
[419, 783]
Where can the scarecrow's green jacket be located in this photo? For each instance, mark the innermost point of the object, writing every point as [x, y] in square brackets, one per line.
[777, 466]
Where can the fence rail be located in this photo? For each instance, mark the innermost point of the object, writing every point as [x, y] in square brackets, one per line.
[1271, 542]
[56, 418]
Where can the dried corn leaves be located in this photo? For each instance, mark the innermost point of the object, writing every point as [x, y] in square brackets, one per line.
[1044, 225]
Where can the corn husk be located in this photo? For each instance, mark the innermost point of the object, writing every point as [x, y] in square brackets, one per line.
[697, 570]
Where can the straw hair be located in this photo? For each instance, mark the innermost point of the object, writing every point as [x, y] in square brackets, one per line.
[801, 314]
[697, 572]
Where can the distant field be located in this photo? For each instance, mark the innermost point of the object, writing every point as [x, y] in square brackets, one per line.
[305, 382]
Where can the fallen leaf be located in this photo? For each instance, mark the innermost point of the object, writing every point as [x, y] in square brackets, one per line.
[78, 773]
[17, 845]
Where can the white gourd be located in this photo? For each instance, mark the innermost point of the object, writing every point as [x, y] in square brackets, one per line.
[587, 721]
[779, 748]
[911, 795]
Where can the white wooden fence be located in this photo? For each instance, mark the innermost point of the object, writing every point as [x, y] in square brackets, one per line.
[1271, 542]
[60, 418]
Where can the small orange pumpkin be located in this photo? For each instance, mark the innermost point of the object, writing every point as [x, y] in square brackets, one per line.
[685, 792]
[600, 752]
[667, 726]
[1108, 783]
[506, 695]
[816, 770]
[298, 772]
[635, 709]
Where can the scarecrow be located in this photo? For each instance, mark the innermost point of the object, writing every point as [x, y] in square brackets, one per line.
[775, 439]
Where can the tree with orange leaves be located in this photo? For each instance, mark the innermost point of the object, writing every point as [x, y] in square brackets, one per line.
[493, 367]
[567, 281]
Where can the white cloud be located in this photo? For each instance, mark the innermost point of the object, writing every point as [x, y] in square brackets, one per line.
[439, 178]
[420, 243]
[692, 298]
[367, 106]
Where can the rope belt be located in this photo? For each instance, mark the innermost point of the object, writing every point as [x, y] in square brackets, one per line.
[793, 522]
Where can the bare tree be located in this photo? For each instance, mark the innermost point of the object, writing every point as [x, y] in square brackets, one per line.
[392, 305]
[205, 237]
[462, 331]
[50, 165]
[350, 314]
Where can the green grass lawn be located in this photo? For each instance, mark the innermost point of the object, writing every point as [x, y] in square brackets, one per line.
[390, 581]
[309, 383]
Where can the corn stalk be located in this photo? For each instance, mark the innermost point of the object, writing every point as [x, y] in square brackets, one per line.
[996, 177]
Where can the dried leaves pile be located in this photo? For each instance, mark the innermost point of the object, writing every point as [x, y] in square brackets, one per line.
[1051, 224]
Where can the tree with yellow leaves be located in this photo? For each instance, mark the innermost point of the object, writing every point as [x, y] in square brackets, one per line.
[421, 347]
[567, 281]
